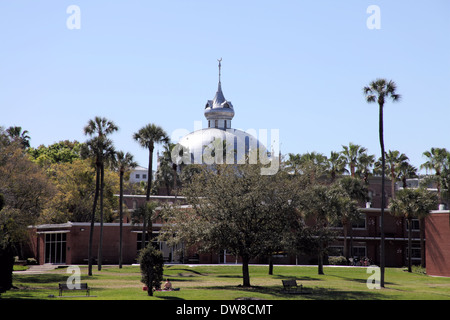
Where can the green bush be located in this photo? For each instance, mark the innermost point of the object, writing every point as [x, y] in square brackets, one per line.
[152, 263]
[338, 260]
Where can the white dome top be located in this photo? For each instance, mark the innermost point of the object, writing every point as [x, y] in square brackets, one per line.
[205, 142]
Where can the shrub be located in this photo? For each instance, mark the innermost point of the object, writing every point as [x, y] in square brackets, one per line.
[152, 263]
[338, 260]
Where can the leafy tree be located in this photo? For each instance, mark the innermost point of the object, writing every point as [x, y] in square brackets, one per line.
[378, 91]
[152, 265]
[238, 210]
[24, 193]
[147, 137]
[326, 205]
[75, 190]
[98, 128]
[59, 152]
[413, 203]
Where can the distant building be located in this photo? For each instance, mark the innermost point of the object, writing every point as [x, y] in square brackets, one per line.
[139, 174]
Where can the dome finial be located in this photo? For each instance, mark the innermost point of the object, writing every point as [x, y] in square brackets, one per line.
[220, 66]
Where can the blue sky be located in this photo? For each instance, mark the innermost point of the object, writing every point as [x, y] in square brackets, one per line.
[297, 66]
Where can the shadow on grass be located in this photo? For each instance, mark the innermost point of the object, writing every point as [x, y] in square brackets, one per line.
[309, 293]
[300, 278]
[41, 278]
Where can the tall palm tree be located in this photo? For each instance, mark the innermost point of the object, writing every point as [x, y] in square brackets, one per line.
[147, 137]
[98, 128]
[351, 154]
[438, 160]
[123, 162]
[377, 92]
[413, 203]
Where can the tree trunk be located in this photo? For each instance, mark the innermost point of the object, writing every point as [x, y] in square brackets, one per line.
[149, 186]
[320, 259]
[121, 219]
[91, 232]
[270, 264]
[383, 163]
[409, 219]
[100, 245]
[245, 271]
[345, 228]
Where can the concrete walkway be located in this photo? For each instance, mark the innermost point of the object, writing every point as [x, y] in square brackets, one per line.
[38, 269]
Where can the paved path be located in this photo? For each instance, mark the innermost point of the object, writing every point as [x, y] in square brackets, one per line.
[37, 269]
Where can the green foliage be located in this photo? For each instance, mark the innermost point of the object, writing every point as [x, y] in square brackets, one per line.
[152, 266]
[59, 152]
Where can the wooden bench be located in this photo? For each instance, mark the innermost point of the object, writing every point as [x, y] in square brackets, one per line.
[291, 286]
[83, 286]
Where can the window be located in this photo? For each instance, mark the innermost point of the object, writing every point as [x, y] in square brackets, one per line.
[361, 223]
[359, 251]
[415, 225]
[225, 124]
[139, 241]
[144, 176]
[138, 176]
[55, 248]
[216, 124]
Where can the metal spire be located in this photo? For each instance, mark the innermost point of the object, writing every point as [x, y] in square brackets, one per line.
[220, 66]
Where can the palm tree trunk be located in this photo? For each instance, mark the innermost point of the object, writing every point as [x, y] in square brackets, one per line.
[100, 246]
[91, 232]
[345, 226]
[383, 162]
[149, 186]
[120, 219]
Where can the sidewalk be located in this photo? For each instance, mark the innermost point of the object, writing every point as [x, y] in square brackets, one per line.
[37, 269]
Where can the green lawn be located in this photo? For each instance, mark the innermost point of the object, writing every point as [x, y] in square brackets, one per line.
[223, 283]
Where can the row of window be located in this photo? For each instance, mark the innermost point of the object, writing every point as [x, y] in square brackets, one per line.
[361, 224]
[227, 124]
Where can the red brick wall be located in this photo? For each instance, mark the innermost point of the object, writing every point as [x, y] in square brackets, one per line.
[437, 233]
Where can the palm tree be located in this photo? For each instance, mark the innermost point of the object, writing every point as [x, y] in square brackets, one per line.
[378, 91]
[438, 160]
[123, 162]
[336, 165]
[98, 128]
[147, 137]
[394, 160]
[364, 166]
[351, 154]
[16, 134]
[413, 203]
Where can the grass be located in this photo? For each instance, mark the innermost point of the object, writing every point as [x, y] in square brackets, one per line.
[223, 283]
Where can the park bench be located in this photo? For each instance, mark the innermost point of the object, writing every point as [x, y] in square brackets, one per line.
[291, 286]
[83, 286]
